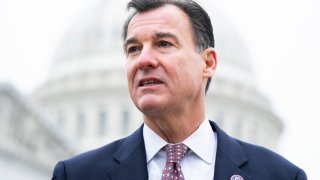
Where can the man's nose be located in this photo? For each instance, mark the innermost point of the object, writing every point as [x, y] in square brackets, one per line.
[147, 59]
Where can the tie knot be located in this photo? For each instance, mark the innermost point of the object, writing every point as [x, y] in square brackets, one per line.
[175, 152]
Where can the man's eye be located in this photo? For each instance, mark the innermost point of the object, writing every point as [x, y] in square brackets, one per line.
[164, 44]
[133, 49]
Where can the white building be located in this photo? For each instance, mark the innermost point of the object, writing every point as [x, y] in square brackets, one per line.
[85, 101]
[29, 146]
[87, 94]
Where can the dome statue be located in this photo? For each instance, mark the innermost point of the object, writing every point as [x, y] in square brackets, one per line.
[86, 92]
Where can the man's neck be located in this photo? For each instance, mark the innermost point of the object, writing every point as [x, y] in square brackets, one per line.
[177, 127]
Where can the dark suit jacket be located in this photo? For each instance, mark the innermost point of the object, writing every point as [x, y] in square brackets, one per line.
[125, 159]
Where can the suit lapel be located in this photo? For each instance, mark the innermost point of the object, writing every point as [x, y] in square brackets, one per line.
[230, 156]
[131, 158]
[132, 164]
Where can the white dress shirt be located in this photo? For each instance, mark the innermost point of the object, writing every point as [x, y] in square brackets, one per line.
[198, 163]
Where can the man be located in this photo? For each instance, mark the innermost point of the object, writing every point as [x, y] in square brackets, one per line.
[170, 62]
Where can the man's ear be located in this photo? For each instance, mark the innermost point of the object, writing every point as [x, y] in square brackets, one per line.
[210, 61]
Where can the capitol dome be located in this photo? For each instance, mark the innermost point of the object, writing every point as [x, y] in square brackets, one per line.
[86, 92]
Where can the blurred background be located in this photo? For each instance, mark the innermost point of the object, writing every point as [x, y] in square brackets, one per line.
[63, 86]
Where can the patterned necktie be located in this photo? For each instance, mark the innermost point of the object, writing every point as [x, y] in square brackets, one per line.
[175, 153]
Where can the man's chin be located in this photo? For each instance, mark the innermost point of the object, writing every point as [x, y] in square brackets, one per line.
[150, 107]
[151, 103]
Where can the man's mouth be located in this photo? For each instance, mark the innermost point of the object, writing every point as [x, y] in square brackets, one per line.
[149, 82]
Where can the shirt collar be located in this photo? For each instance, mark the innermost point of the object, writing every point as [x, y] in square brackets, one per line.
[204, 134]
[207, 150]
[153, 142]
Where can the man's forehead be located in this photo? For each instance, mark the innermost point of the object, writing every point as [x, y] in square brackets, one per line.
[143, 21]
[161, 15]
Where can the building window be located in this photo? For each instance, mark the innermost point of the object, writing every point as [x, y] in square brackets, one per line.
[254, 132]
[0, 111]
[102, 123]
[81, 123]
[61, 120]
[219, 119]
[125, 121]
[237, 127]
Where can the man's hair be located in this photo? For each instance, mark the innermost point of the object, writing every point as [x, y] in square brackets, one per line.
[200, 20]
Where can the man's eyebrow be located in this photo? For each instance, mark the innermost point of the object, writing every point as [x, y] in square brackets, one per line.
[167, 35]
[156, 36]
[129, 41]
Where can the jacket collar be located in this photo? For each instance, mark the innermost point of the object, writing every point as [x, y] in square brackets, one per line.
[132, 163]
[230, 156]
[130, 158]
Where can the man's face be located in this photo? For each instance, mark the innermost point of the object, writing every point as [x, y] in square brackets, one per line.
[164, 70]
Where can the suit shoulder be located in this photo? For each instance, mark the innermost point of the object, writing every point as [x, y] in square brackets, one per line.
[91, 163]
[102, 153]
[257, 161]
[88, 165]
[253, 151]
[264, 159]
[96, 163]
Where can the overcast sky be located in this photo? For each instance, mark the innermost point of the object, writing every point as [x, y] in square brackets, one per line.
[282, 37]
